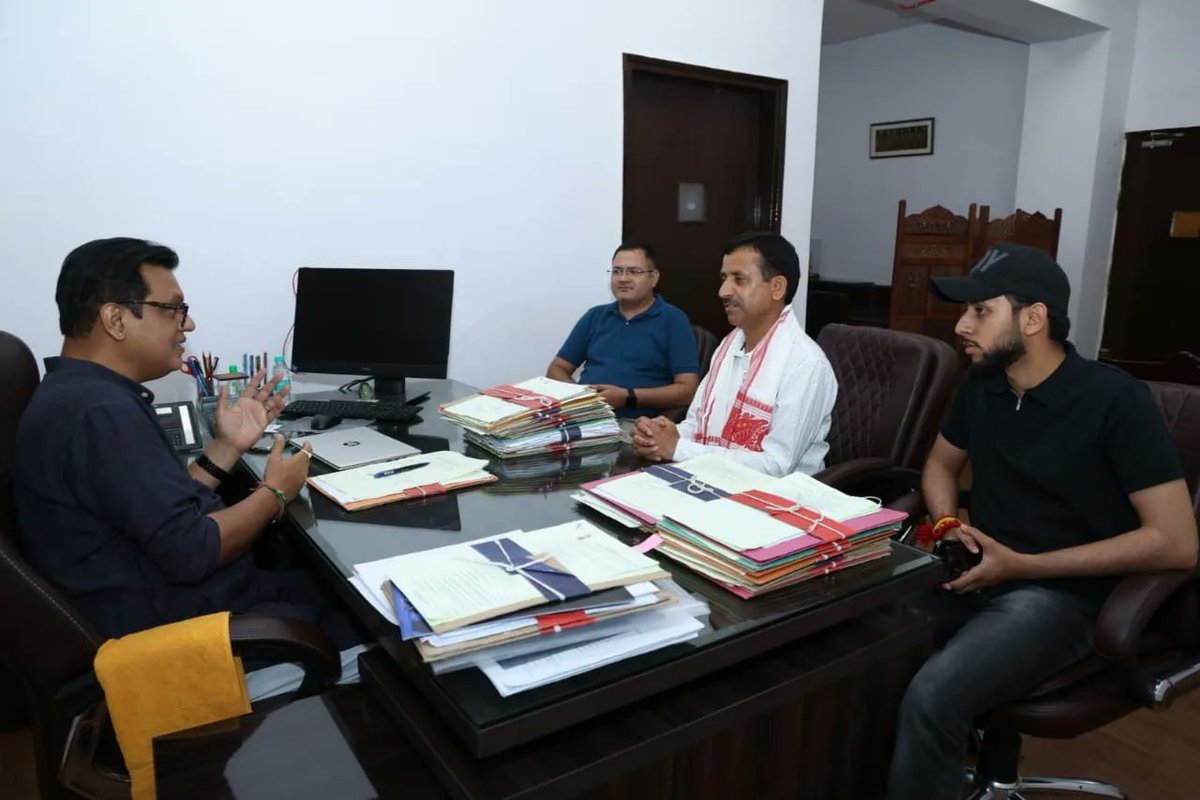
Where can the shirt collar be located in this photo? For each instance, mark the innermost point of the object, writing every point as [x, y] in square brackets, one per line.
[1054, 389]
[653, 311]
[91, 369]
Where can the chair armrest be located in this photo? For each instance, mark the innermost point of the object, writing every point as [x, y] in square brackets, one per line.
[1130, 607]
[1123, 620]
[841, 475]
[279, 639]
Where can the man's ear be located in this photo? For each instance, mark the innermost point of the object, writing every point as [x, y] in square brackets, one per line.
[112, 319]
[1036, 317]
[778, 287]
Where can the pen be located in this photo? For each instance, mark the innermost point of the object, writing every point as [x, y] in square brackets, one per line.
[412, 401]
[397, 470]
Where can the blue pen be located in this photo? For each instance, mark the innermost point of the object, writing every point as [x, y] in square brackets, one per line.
[398, 470]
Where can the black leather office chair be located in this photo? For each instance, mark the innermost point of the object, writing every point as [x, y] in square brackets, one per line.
[1147, 653]
[47, 647]
[893, 387]
[706, 345]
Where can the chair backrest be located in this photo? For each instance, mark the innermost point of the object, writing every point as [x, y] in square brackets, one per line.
[892, 389]
[44, 642]
[1180, 405]
[1020, 227]
[706, 345]
[933, 243]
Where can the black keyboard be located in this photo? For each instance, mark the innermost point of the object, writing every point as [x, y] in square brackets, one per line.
[352, 409]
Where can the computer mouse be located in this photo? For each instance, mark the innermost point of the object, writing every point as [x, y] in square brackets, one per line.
[322, 421]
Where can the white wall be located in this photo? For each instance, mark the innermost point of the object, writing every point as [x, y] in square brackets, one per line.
[1165, 88]
[259, 137]
[974, 87]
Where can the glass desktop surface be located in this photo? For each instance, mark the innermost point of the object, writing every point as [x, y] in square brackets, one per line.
[535, 493]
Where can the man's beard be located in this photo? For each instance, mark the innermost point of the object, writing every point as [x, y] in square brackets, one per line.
[1002, 356]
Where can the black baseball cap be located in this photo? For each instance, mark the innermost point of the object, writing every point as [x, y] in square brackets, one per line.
[1010, 269]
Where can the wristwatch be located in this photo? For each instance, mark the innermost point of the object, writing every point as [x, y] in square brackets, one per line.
[630, 398]
[205, 463]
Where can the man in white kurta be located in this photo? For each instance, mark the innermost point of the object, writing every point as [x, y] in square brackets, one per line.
[768, 397]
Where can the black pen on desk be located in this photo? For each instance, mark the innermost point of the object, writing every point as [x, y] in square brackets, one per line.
[398, 470]
[412, 401]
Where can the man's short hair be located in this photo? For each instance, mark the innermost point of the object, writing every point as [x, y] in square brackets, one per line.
[105, 271]
[626, 247]
[1060, 323]
[776, 257]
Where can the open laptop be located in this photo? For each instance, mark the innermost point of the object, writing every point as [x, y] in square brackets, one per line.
[353, 447]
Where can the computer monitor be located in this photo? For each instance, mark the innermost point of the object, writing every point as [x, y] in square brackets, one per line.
[389, 324]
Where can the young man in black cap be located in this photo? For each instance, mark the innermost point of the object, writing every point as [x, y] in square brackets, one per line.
[767, 400]
[1075, 481]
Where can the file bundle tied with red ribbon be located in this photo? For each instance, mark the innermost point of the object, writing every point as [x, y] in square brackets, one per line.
[483, 597]
[756, 541]
[539, 415]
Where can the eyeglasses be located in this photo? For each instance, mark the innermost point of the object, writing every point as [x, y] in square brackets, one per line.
[179, 309]
[635, 272]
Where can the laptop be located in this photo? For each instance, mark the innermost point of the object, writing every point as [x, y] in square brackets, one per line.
[353, 447]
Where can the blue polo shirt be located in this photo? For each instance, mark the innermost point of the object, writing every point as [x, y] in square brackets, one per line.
[648, 350]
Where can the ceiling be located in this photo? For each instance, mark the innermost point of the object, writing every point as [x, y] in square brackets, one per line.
[1017, 20]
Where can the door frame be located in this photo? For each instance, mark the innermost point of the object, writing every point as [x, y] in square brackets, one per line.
[773, 127]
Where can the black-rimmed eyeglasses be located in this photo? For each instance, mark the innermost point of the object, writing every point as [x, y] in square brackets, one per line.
[179, 309]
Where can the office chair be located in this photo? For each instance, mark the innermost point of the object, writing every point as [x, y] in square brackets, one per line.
[1147, 653]
[892, 389]
[47, 647]
[706, 345]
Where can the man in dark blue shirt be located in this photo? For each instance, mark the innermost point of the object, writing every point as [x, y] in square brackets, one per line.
[1074, 481]
[639, 352]
[106, 511]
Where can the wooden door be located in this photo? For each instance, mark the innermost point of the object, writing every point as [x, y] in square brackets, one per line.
[691, 131]
[1154, 282]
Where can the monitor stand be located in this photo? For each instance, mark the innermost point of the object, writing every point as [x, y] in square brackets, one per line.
[390, 390]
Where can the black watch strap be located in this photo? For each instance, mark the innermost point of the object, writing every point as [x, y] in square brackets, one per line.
[205, 463]
[630, 398]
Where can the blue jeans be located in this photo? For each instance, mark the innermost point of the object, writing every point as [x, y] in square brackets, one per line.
[999, 644]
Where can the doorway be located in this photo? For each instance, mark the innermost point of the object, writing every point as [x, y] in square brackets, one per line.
[703, 162]
[1150, 313]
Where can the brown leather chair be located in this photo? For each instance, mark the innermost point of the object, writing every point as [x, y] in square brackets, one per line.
[706, 345]
[47, 648]
[892, 389]
[1147, 652]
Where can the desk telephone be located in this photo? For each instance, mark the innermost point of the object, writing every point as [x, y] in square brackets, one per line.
[182, 424]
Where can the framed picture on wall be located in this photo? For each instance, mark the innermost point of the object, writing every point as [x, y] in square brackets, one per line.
[906, 137]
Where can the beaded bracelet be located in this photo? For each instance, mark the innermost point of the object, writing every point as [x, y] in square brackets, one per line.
[280, 498]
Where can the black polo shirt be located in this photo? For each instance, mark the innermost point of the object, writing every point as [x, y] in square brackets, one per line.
[109, 514]
[1055, 467]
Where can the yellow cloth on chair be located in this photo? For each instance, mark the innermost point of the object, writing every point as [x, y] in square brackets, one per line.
[168, 679]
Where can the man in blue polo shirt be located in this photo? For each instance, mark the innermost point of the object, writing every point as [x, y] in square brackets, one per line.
[639, 352]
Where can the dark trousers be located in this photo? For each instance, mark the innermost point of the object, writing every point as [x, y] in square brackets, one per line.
[999, 643]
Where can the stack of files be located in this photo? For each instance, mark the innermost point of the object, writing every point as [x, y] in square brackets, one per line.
[539, 415]
[420, 475]
[754, 542]
[534, 596]
[642, 498]
[749, 532]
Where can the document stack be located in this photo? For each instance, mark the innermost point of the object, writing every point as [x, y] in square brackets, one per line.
[421, 475]
[531, 607]
[539, 415]
[748, 532]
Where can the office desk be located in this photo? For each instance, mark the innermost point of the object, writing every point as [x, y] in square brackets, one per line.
[841, 632]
